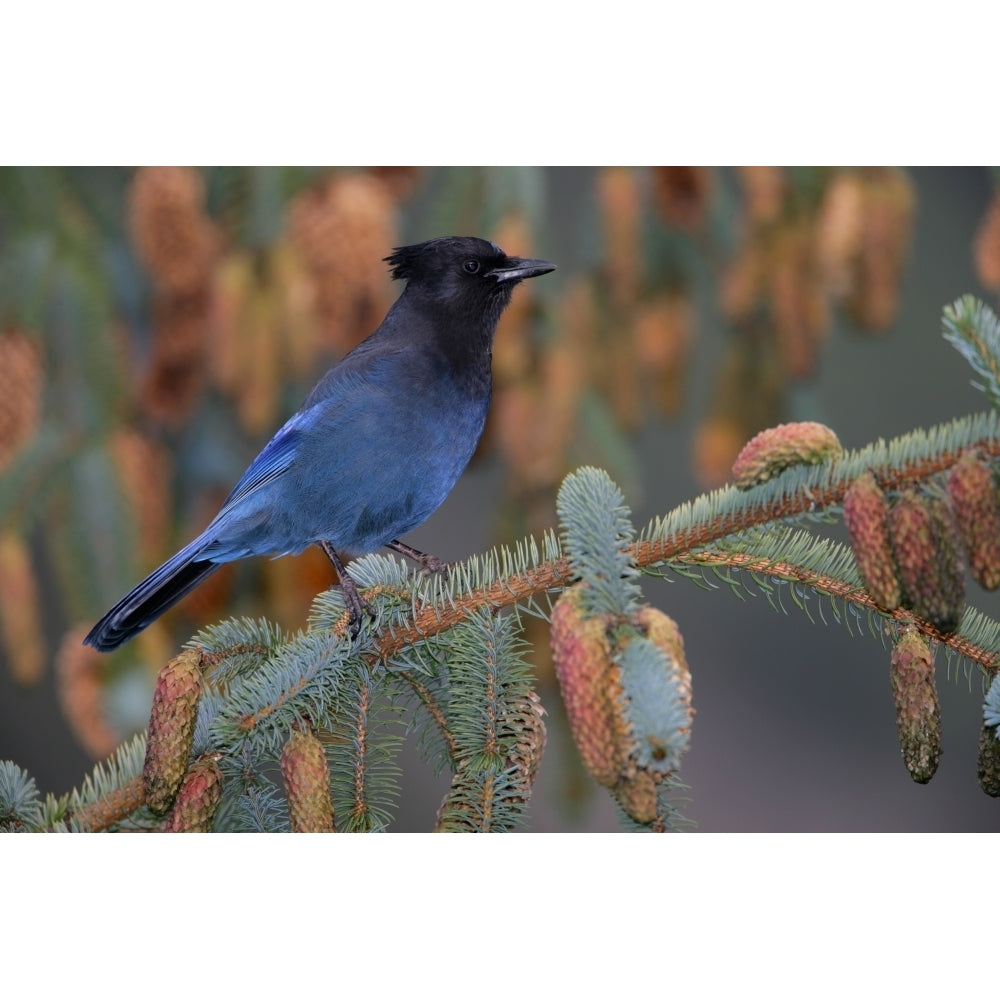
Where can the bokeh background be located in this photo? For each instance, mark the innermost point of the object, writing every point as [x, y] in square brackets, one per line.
[158, 324]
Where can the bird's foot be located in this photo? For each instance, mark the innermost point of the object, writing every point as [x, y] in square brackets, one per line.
[357, 606]
[427, 562]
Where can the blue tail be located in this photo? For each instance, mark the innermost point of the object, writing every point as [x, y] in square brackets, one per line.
[144, 603]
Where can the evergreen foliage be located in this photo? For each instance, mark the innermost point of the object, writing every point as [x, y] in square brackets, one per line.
[444, 655]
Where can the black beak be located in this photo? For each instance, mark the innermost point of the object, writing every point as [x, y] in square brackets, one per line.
[518, 268]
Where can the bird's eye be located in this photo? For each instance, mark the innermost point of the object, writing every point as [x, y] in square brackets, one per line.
[471, 266]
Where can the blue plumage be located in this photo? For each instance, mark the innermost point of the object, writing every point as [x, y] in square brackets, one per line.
[379, 442]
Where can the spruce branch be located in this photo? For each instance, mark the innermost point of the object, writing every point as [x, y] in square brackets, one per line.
[690, 534]
[111, 808]
[434, 709]
[441, 637]
[973, 329]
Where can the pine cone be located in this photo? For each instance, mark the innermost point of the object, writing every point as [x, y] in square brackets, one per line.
[171, 232]
[988, 762]
[621, 211]
[648, 757]
[664, 334]
[772, 451]
[918, 716]
[974, 502]
[20, 611]
[866, 514]
[21, 378]
[927, 552]
[340, 231]
[591, 685]
[682, 195]
[143, 469]
[798, 301]
[840, 231]
[307, 783]
[885, 239]
[198, 798]
[764, 192]
[171, 729]
[614, 712]
[79, 675]
[178, 366]
[986, 249]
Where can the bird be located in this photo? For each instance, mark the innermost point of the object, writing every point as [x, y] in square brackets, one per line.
[376, 447]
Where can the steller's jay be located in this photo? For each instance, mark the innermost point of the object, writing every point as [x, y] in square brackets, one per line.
[377, 446]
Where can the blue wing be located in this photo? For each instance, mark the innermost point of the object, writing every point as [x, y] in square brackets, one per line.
[275, 459]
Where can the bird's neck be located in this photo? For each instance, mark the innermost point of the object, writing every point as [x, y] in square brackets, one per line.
[463, 341]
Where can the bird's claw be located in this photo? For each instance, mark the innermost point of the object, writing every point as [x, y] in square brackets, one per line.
[431, 564]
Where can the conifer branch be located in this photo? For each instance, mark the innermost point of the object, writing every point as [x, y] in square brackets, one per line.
[904, 461]
[360, 806]
[435, 711]
[111, 808]
[988, 659]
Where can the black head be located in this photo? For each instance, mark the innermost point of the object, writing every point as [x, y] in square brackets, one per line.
[463, 272]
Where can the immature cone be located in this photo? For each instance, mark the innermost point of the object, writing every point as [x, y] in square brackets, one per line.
[682, 194]
[80, 688]
[974, 503]
[198, 798]
[885, 237]
[20, 615]
[307, 783]
[926, 549]
[513, 349]
[620, 742]
[662, 632]
[171, 729]
[764, 192]
[341, 230]
[663, 336]
[637, 795]
[951, 564]
[177, 367]
[590, 683]
[621, 214]
[840, 230]
[172, 233]
[400, 182]
[866, 514]
[778, 448]
[986, 249]
[798, 301]
[918, 717]
[741, 288]
[143, 467]
[21, 378]
[988, 762]
[650, 757]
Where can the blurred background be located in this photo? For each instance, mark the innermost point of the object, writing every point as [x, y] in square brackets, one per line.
[158, 324]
